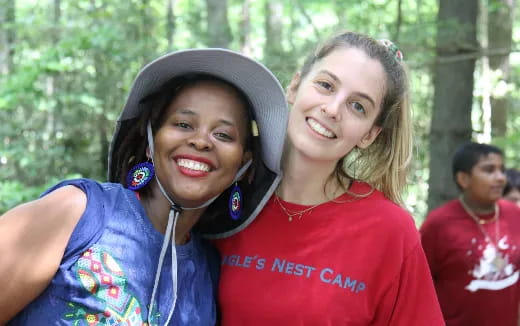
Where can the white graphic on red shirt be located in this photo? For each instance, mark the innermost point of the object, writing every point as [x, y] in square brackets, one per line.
[494, 271]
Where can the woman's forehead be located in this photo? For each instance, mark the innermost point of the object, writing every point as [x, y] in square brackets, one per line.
[354, 68]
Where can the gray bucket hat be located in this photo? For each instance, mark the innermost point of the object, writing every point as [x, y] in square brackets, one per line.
[269, 107]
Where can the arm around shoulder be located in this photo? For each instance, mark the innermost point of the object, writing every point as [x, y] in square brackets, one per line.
[33, 238]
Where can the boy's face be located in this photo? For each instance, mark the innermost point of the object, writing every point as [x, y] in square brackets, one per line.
[485, 183]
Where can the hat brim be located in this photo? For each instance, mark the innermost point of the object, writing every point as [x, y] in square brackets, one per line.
[257, 83]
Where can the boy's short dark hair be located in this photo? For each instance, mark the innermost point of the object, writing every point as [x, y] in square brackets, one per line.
[468, 155]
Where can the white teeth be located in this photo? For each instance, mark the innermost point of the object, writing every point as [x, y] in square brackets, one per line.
[193, 165]
[320, 129]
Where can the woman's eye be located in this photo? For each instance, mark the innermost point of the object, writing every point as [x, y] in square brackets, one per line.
[223, 136]
[325, 85]
[358, 107]
[183, 125]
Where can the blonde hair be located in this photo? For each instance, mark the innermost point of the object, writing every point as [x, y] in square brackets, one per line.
[384, 164]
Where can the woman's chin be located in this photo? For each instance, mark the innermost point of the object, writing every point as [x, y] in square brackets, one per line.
[193, 202]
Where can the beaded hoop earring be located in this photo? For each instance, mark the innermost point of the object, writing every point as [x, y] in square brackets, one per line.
[235, 202]
[139, 176]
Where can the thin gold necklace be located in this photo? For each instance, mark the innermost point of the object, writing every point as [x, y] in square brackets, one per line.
[479, 222]
[499, 261]
[292, 213]
[475, 217]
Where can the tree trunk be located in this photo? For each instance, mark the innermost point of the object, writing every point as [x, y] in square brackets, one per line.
[484, 134]
[274, 55]
[170, 22]
[53, 87]
[7, 35]
[219, 32]
[273, 28]
[147, 36]
[398, 21]
[500, 32]
[453, 94]
[101, 91]
[245, 28]
[293, 27]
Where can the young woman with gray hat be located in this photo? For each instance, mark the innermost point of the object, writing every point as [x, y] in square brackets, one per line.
[333, 246]
[88, 253]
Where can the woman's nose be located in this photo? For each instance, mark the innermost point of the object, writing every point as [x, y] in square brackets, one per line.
[331, 110]
[201, 141]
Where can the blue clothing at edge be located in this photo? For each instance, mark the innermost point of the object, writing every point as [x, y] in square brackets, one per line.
[107, 272]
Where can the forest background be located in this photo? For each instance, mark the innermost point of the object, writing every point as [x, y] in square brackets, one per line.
[67, 65]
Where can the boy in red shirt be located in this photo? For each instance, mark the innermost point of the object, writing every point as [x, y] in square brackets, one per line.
[473, 243]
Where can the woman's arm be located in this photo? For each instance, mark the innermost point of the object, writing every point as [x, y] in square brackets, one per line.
[33, 238]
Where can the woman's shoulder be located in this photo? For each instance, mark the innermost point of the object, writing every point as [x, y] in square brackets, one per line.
[375, 200]
[103, 203]
[372, 205]
[86, 185]
[96, 192]
[383, 220]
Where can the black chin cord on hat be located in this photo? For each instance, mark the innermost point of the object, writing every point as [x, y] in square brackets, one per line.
[175, 211]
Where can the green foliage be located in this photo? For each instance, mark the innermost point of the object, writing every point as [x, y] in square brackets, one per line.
[71, 76]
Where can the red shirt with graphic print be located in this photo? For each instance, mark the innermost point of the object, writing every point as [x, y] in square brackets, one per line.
[476, 280]
[351, 261]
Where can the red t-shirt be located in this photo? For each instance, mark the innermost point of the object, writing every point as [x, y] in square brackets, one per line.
[353, 263]
[472, 288]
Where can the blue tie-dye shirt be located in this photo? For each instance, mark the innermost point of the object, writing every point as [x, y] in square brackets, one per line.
[107, 273]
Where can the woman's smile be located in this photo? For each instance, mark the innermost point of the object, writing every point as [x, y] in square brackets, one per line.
[194, 166]
[320, 129]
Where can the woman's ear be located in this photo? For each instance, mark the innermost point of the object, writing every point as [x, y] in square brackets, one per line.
[369, 137]
[293, 88]
[248, 155]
